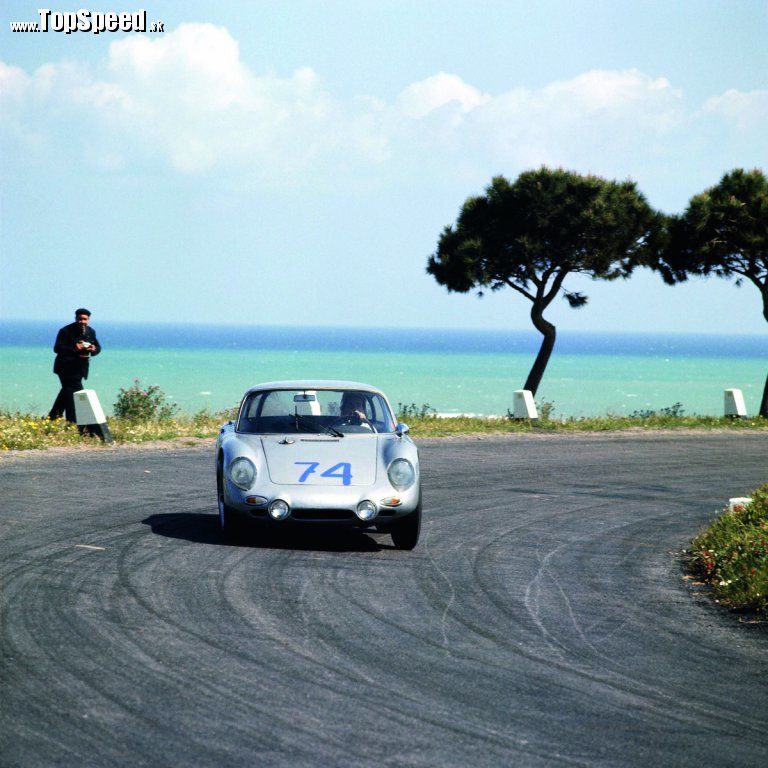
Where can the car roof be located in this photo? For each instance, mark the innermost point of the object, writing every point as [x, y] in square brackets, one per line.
[315, 384]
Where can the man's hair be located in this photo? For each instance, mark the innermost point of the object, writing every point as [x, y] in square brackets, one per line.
[82, 311]
[349, 397]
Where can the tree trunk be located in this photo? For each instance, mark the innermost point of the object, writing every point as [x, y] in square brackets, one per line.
[764, 292]
[764, 402]
[549, 332]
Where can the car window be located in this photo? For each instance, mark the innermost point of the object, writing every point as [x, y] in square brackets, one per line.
[324, 410]
[273, 404]
[329, 401]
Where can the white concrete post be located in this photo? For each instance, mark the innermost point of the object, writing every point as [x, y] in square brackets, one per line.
[734, 403]
[523, 405]
[90, 415]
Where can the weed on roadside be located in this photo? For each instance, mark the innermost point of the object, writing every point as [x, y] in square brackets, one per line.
[732, 554]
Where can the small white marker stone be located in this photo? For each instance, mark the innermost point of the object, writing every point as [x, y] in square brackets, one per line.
[734, 403]
[524, 407]
[90, 415]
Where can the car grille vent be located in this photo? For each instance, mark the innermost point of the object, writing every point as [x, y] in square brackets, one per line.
[323, 514]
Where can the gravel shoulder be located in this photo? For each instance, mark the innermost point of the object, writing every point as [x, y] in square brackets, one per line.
[192, 443]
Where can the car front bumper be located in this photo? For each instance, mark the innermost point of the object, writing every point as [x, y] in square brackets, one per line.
[323, 504]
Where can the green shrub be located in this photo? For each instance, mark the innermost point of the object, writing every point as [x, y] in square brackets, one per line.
[138, 403]
[545, 409]
[413, 411]
[732, 554]
[672, 411]
[205, 416]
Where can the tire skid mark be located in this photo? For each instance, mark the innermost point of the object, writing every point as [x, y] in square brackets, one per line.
[478, 725]
[139, 713]
[628, 684]
[311, 644]
[445, 724]
[416, 713]
[496, 539]
[214, 688]
[279, 668]
[80, 639]
[448, 549]
[426, 544]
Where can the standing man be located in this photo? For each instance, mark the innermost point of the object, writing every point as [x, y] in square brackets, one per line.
[75, 344]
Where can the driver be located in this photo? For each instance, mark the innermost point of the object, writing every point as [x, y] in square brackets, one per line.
[353, 408]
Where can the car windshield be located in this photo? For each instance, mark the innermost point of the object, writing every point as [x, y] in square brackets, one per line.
[336, 412]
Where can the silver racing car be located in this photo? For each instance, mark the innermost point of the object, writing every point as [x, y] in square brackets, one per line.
[319, 453]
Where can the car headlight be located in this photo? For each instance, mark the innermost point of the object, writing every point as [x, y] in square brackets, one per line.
[242, 472]
[367, 510]
[401, 474]
[279, 509]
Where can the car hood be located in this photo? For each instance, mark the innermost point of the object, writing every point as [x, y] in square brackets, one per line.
[320, 460]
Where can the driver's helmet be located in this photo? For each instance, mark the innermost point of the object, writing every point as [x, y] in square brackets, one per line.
[352, 401]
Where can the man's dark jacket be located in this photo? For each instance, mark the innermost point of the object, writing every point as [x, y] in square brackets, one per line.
[68, 357]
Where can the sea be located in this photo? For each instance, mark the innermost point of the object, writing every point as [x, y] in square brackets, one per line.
[451, 371]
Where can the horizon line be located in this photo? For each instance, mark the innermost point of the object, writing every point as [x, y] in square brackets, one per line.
[381, 328]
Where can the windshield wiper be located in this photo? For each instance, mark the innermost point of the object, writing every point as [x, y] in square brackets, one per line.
[315, 426]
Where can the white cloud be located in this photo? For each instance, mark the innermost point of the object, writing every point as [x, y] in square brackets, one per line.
[190, 95]
[188, 100]
[587, 121]
[14, 83]
[600, 121]
[747, 111]
[612, 91]
[425, 96]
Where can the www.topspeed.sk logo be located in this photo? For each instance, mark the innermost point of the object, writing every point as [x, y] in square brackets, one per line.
[84, 20]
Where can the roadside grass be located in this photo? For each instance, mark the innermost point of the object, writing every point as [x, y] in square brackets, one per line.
[433, 426]
[732, 555]
[424, 421]
[21, 431]
[24, 431]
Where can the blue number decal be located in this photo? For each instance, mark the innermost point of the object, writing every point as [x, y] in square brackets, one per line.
[311, 467]
[342, 470]
[345, 472]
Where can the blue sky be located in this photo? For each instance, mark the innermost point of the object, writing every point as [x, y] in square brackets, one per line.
[294, 163]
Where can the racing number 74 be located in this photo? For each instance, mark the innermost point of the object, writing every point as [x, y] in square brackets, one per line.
[342, 470]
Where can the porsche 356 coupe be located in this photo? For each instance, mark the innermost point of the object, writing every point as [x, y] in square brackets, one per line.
[318, 453]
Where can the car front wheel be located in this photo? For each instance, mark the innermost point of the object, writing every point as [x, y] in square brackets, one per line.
[405, 532]
[229, 521]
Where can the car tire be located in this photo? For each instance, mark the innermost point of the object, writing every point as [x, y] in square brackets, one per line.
[230, 523]
[405, 532]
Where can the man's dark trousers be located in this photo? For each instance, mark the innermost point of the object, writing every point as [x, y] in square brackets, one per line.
[71, 382]
[71, 366]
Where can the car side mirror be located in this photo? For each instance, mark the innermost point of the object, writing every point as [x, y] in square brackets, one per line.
[402, 429]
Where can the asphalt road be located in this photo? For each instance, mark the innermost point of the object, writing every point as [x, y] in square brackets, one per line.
[542, 621]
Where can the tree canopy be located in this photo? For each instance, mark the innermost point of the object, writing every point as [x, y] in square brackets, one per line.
[723, 232]
[530, 234]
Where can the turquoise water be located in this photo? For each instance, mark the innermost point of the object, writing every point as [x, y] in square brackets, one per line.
[579, 384]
